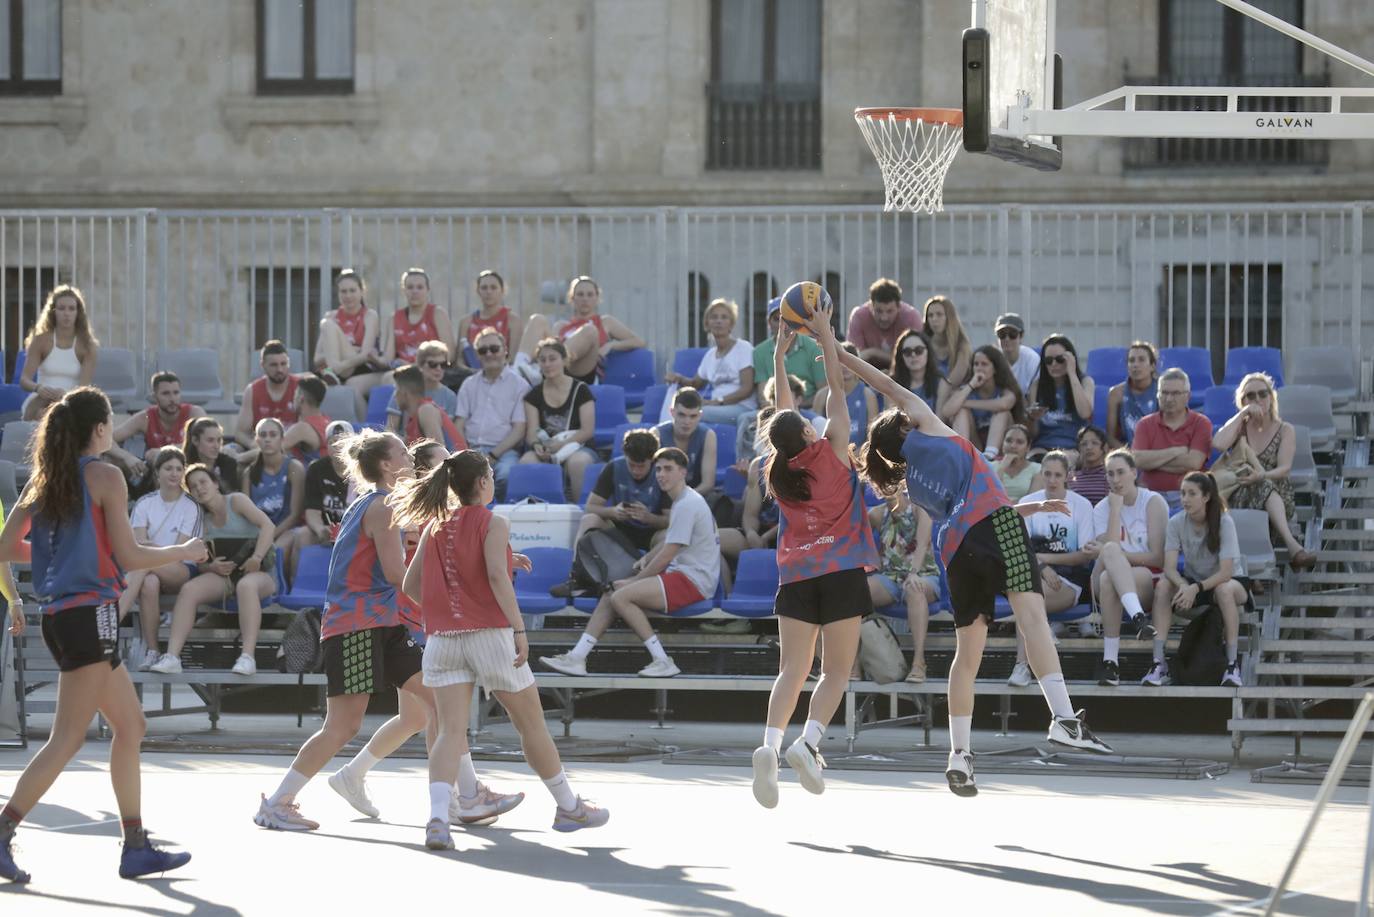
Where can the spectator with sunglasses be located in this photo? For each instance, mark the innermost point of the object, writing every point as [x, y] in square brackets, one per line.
[1023, 360]
[914, 369]
[1274, 443]
[1061, 396]
[432, 357]
[491, 407]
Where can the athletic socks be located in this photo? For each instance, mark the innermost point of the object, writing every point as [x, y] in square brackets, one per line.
[772, 737]
[1056, 695]
[655, 648]
[133, 832]
[362, 762]
[291, 784]
[1131, 602]
[812, 732]
[562, 791]
[1159, 648]
[467, 776]
[585, 644]
[439, 796]
[960, 732]
[1111, 648]
[1231, 653]
[10, 817]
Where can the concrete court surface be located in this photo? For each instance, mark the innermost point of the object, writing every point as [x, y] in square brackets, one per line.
[687, 840]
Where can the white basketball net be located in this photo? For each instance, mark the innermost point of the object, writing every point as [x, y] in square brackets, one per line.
[914, 156]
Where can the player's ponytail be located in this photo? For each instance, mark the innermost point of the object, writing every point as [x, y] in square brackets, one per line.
[879, 460]
[786, 433]
[433, 497]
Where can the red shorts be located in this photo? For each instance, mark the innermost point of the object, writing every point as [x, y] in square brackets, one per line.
[678, 591]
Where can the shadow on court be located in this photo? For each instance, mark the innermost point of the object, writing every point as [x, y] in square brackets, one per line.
[166, 887]
[591, 867]
[1129, 894]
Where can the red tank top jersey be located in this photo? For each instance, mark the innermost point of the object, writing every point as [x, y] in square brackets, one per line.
[353, 326]
[409, 337]
[500, 321]
[571, 328]
[282, 408]
[455, 592]
[829, 532]
[316, 422]
[409, 611]
[453, 440]
[155, 436]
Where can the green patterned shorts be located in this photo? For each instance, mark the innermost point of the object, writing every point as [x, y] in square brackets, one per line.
[994, 558]
[369, 661]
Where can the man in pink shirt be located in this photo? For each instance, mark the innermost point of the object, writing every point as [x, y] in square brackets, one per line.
[1173, 441]
[875, 326]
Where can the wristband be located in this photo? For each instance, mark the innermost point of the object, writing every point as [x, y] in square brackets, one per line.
[518, 632]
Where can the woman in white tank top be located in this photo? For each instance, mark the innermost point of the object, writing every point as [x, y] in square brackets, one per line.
[61, 351]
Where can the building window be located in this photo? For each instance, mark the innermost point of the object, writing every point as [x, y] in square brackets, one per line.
[1220, 306]
[1206, 44]
[305, 47]
[21, 299]
[764, 98]
[285, 303]
[698, 298]
[762, 287]
[31, 47]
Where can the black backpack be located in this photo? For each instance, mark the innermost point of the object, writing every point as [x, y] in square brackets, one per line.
[1201, 656]
[301, 651]
[601, 557]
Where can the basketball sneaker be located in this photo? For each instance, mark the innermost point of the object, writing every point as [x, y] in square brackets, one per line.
[284, 816]
[1144, 627]
[483, 808]
[146, 859]
[1232, 677]
[766, 776]
[808, 764]
[566, 663]
[1021, 675]
[959, 774]
[150, 658]
[1073, 732]
[1108, 673]
[585, 815]
[437, 836]
[167, 665]
[354, 791]
[8, 868]
[660, 668]
[1158, 676]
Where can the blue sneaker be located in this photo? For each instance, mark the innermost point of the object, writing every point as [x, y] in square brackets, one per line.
[8, 868]
[145, 860]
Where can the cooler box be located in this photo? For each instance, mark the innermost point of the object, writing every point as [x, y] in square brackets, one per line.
[540, 525]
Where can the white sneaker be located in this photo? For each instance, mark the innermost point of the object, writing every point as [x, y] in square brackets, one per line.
[1231, 679]
[167, 665]
[660, 668]
[283, 817]
[1073, 732]
[808, 763]
[1086, 628]
[150, 658]
[959, 774]
[482, 809]
[528, 369]
[1158, 676]
[766, 776]
[1021, 676]
[354, 791]
[566, 663]
[245, 665]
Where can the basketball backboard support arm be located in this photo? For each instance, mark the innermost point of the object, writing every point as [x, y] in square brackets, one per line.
[1100, 116]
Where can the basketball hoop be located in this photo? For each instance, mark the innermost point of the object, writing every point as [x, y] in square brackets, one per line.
[914, 148]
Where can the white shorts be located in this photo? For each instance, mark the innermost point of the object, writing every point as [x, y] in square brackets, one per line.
[483, 657]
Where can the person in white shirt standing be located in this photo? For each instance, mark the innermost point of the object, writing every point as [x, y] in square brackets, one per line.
[681, 571]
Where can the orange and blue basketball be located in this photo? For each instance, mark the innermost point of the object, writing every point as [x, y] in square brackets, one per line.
[800, 301]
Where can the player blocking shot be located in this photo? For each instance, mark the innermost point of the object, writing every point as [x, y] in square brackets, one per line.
[75, 511]
[983, 545]
[461, 579]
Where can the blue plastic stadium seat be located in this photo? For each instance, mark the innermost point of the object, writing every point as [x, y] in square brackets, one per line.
[589, 481]
[632, 370]
[687, 359]
[618, 436]
[377, 400]
[471, 358]
[550, 567]
[19, 360]
[1219, 404]
[1240, 361]
[725, 449]
[610, 412]
[11, 398]
[1106, 365]
[312, 578]
[654, 396]
[1196, 362]
[1100, 394]
[539, 480]
[756, 584]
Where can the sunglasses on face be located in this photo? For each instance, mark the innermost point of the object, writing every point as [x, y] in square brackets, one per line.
[1007, 334]
[1058, 360]
[490, 348]
[435, 364]
[913, 351]
[1261, 395]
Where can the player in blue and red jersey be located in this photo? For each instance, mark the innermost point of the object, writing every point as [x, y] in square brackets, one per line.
[825, 552]
[981, 541]
[75, 509]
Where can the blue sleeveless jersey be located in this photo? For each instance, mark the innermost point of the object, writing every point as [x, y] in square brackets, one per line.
[695, 446]
[628, 490]
[73, 560]
[358, 596]
[272, 494]
[948, 478]
[857, 402]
